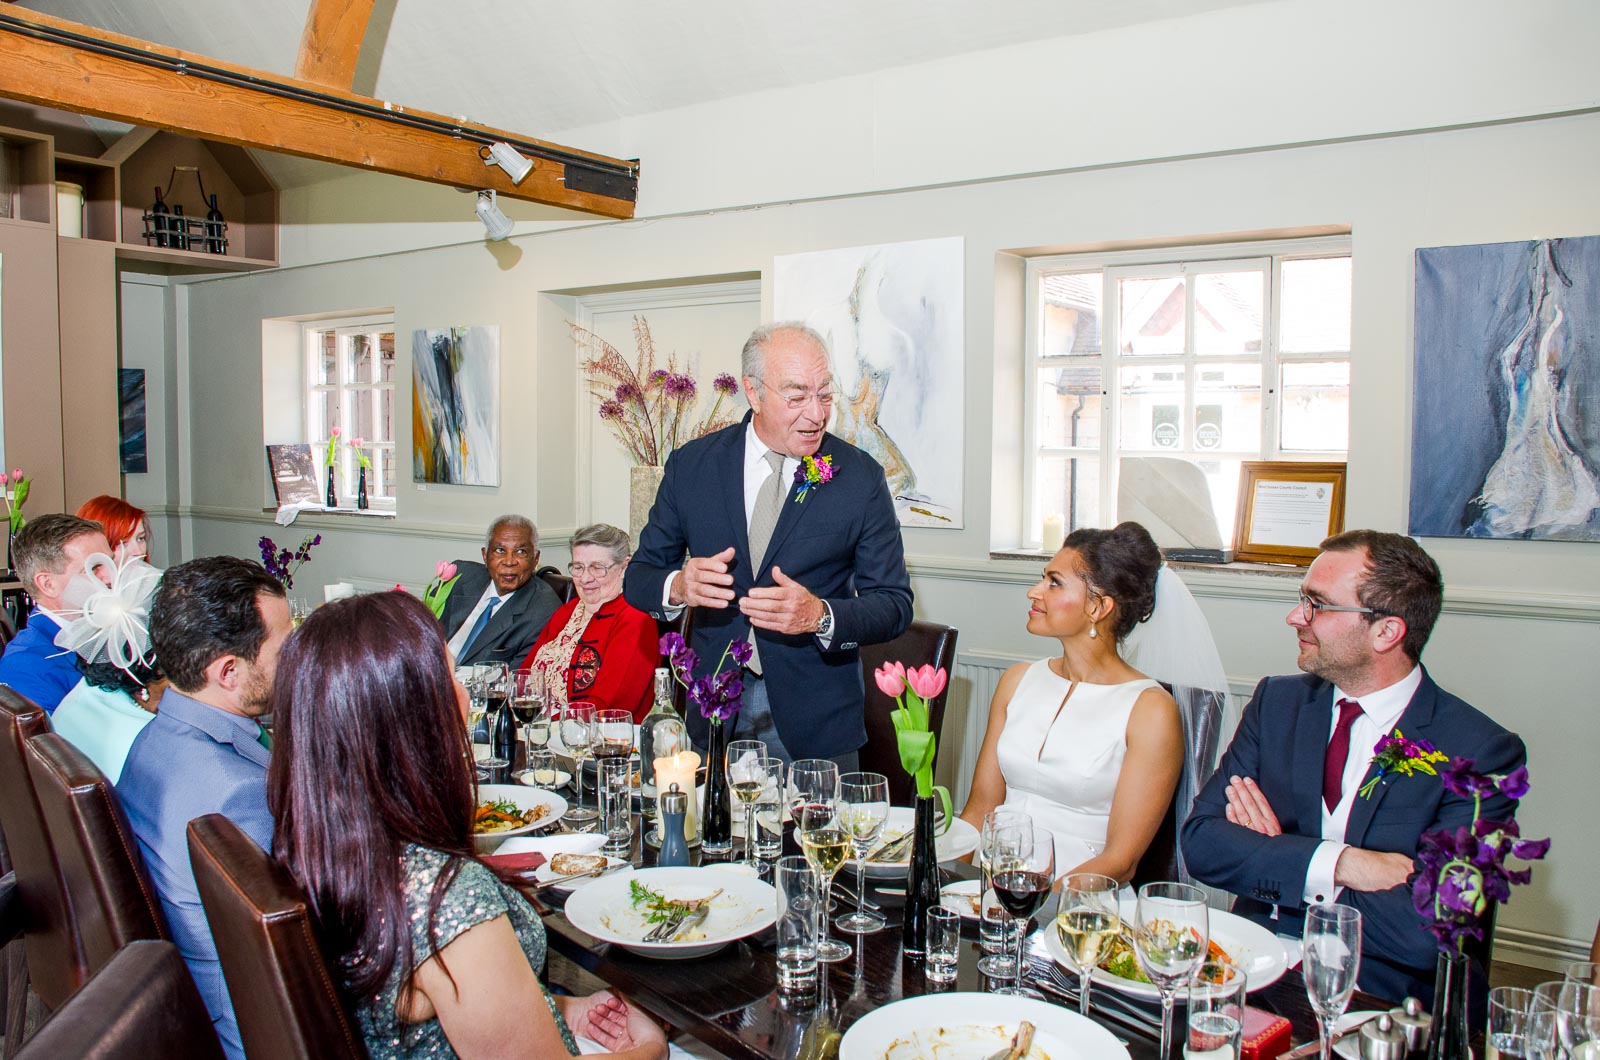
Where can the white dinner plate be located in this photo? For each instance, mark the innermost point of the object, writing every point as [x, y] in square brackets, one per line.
[1249, 945]
[961, 897]
[604, 909]
[959, 1026]
[525, 798]
[958, 841]
[545, 874]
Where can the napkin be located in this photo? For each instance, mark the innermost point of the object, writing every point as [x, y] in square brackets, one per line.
[524, 862]
[551, 845]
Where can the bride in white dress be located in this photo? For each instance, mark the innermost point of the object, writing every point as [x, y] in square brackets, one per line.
[1088, 746]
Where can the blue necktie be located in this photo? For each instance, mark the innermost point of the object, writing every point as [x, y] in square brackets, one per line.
[483, 620]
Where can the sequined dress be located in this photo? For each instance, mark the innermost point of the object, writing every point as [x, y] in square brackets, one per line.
[475, 896]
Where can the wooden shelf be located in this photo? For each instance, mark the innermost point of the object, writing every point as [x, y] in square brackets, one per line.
[30, 171]
[191, 260]
[247, 198]
[101, 193]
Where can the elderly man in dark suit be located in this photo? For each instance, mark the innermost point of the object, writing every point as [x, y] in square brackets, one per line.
[791, 542]
[497, 607]
[1282, 822]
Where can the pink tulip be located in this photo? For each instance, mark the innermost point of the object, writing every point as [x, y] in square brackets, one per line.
[890, 683]
[445, 570]
[2, 478]
[925, 681]
[358, 443]
[398, 588]
[16, 474]
[336, 432]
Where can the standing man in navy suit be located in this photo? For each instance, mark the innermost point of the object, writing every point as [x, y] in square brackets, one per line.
[807, 570]
[49, 553]
[216, 625]
[1282, 823]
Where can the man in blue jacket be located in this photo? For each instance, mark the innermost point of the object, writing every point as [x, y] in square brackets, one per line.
[1283, 823]
[49, 552]
[778, 532]
[216, 626]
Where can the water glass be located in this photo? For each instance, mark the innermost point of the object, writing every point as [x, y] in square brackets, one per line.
[542, 767]
[1508, 1022]
[863, 809]
[577, 736]
[1581, 972]
[769, 811]
[944, 945]
[1216, 1013]
[799, 908]
[1331, 945]
[616, 803]
[1172, 928]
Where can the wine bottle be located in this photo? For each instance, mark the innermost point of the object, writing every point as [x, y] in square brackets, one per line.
[661, 708]
[922, 881]
[215, 244]
[178, 237]
[503, 741]
[160, 221]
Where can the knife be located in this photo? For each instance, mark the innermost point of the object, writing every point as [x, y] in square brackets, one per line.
[596, 873]
[1312, 1048]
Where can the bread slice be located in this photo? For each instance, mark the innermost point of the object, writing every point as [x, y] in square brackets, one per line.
[571, 864]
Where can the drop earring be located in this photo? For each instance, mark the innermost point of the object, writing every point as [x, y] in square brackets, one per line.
[1094, 631]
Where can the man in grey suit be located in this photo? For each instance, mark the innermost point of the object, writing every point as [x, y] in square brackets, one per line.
[216, 626]
[497, 607]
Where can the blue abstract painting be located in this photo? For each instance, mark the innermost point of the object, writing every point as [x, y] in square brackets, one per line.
[455, 406]
[131, 421]
[1506, 430]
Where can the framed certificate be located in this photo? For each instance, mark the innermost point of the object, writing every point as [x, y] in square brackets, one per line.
[1286, 508]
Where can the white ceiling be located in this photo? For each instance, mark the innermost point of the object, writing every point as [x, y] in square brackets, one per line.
[537, 67]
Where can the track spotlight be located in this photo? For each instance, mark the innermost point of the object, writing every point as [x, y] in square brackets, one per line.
[498, 224]
[514, 162]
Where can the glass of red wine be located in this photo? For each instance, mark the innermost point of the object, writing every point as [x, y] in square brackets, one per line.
[1021, 888]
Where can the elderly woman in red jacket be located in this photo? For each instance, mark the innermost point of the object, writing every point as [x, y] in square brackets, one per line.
[598, 648]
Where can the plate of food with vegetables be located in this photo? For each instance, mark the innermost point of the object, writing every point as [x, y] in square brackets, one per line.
[627, 908]
[1234, 939]
[502, 810]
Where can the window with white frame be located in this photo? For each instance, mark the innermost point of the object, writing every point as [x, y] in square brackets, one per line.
[1210, 354]
[350, 381]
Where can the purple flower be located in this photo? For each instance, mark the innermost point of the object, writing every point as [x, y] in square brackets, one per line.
[1514, 785]
[741, 651]
[627, 392]
[725, 384]
[680, 387]
[673, 645]
[611, 410]
[1460, 777]
[657, 377]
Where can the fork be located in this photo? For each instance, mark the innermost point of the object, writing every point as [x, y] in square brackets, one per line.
[682, 910]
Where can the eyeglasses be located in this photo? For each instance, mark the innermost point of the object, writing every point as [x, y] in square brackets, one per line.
[599, 570]
[796, 398]
[1309, 608]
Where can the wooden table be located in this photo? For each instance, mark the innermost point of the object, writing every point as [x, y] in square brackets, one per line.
[730, 1000]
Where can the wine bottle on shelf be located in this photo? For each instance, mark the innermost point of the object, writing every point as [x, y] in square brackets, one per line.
[215, 225]
[160, 221]
[178, 239]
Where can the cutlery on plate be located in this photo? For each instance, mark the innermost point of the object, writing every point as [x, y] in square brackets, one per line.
[858, 897]
[1313, 1047]
[682, 912]
[1021, 1042]
[899, 848]
[597, 873]
[1110, 1003]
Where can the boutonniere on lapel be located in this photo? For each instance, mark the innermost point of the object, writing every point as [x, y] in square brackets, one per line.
[1396, 754]
[812, 473]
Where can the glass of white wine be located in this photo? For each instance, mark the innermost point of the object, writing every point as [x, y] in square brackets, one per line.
[826, 848]
[747, 774]
[863, 809]
[1086, 922]
[813, 799]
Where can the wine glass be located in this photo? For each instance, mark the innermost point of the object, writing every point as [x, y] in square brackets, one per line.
[813, 800]
[1171, 930]
[863, 809]
[747, 775]
[1578, 1018]
[1022, 888]
[1331, 945]
[999, 846]
[577, 735]
[1087, 922]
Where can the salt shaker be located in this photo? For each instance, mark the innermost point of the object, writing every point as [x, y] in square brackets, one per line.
[674, 849]
[1383, 1039]
[1414, 1020]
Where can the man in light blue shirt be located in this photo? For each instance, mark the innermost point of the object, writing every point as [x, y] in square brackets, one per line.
[217, 625]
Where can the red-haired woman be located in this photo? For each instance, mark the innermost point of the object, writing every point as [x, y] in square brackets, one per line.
[127, 528]
[371, 789]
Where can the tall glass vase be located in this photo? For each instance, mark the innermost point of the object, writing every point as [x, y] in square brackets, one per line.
[922, 882]
[361, 490]
[333, 498]
[1447, 1037]
[716, 822]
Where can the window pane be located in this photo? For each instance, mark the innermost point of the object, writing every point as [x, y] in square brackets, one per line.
[1227, 313]
[361, 358]
[323, 414]
[1069, 406]
[1152, 316]
[1150, 409]
[1071, 313]
[1068, 487]
[361, 404]
[1222, 476]
[385, 462]
[1315, 306]
[385, 431]
[386, 356]
[1227, 408]
[1315, 404]
[327, 370]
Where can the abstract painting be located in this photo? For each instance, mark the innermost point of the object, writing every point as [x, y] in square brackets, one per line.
[455, 405]
[131, 421]
[1506, 435]
[893, 317]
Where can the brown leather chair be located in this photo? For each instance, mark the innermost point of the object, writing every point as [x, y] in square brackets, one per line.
[284, 998]
[55, 957]
[560, 583]
[143, 1003]
[113, 902]
[924, 643]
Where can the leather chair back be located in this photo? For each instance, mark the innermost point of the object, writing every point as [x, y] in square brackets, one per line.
[284, 998]
[923, 643]
[143, 1003]
[55, 962]
[1160, 860]
[559, 583]
[113, 902]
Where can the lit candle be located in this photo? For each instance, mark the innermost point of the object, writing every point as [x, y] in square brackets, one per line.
[679, 769]
[1054, 533]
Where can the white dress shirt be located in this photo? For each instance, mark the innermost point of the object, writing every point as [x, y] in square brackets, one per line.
[1380, 711]
[459, 641]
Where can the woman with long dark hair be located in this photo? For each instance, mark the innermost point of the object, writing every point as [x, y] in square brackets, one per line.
[371, 788]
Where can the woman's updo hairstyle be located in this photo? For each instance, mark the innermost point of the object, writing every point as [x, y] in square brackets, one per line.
[1121, 563]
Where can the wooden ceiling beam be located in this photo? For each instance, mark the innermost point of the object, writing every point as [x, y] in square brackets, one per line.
[331, 42]
[57, 63]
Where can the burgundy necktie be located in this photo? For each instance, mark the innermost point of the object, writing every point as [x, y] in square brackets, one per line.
[1338, 752]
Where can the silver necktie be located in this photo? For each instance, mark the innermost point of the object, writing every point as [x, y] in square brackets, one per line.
[769, 505]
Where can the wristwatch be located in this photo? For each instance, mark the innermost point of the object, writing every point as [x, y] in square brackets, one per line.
[825, 623]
